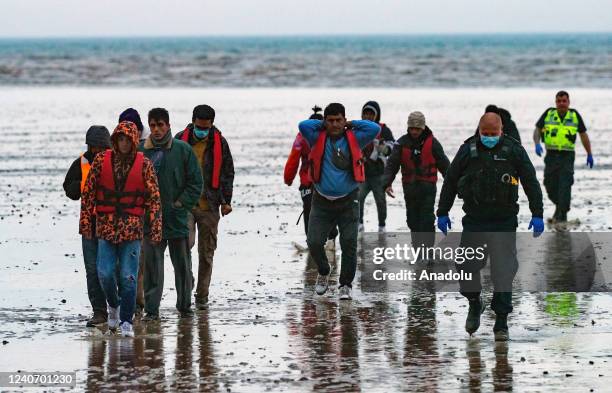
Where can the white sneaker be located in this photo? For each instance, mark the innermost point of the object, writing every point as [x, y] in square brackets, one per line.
[382, 229]
[321, 285]
[113, 318]
[330, 245]
[126, 329]
[345, 293]
[360, 228]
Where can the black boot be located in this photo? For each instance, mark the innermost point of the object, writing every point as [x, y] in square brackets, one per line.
[472, 322]
[500, 329]
[98, 318]
[561, 216]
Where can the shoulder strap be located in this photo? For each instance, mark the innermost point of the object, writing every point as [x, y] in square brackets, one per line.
[473, 150]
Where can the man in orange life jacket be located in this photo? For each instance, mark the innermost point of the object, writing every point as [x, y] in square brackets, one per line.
[375, 155]
[420, 157]
[120, 189]
[299, 157]
[336, 171]
[97, 140]
[215, 158]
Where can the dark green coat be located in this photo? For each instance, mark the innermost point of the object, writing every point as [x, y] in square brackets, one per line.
[180, 179]
[477, 173]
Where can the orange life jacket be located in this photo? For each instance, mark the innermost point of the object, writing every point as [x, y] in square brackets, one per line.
[217, 156]
[426, 171]
[316, 157]
[130, 200]
[85, 167]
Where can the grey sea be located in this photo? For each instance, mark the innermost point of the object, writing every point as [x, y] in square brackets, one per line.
[547, 60]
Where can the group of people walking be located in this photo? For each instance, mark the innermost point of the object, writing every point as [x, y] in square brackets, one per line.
[342, 161]
[140, 195]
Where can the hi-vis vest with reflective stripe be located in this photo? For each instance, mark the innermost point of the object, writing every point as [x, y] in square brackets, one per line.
[560, 134]
[85, 167]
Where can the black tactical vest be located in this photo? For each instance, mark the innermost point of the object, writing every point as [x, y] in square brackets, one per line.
[491, 177]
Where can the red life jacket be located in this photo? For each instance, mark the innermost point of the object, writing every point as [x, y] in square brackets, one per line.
[426, 171]
[128, 201]
[217, 156]
[316, 157]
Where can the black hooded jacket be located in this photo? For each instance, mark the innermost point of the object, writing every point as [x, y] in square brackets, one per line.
[377, 167]
[508, 125]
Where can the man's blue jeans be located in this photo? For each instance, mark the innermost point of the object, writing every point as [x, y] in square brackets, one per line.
[127, 254]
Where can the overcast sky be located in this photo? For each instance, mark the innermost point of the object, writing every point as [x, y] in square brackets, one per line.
[76, 18]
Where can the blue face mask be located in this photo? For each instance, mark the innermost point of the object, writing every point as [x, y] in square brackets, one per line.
[489, 141]
[199, 133]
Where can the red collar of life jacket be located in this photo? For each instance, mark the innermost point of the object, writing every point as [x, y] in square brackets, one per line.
[217, 154]
[318, 150]
[130, 200]
[426, 170]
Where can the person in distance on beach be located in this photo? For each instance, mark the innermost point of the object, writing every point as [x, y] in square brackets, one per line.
[375, 155]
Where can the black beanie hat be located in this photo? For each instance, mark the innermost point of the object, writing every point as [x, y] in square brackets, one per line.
[131, 114]
[98, 136]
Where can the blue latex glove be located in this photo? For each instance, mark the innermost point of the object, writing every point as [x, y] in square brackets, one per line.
[444, 224]
[539, 150]
[590, 161]
[538, 226]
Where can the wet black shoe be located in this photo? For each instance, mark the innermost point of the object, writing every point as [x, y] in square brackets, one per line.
[201, 304]
[139, 311]
[472, 322]
[98, 318]
[502, 335]
[150, 317]
[500, 329]
[186, 313]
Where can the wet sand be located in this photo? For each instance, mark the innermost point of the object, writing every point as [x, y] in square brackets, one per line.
[265, 330]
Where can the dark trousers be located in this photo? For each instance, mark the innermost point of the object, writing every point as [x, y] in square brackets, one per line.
[94, 290]
[373, 183]
[558, 180]
[500, 240]
[325, 215]
[420, 198]
[306, 195]
[154, 273]
[207, 224]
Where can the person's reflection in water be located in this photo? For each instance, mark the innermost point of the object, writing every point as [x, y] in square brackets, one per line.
[207, 369]
[95, 365]
[502, 372]
[152, 336]
[184, 377]
[421, 358]
[475, 363]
